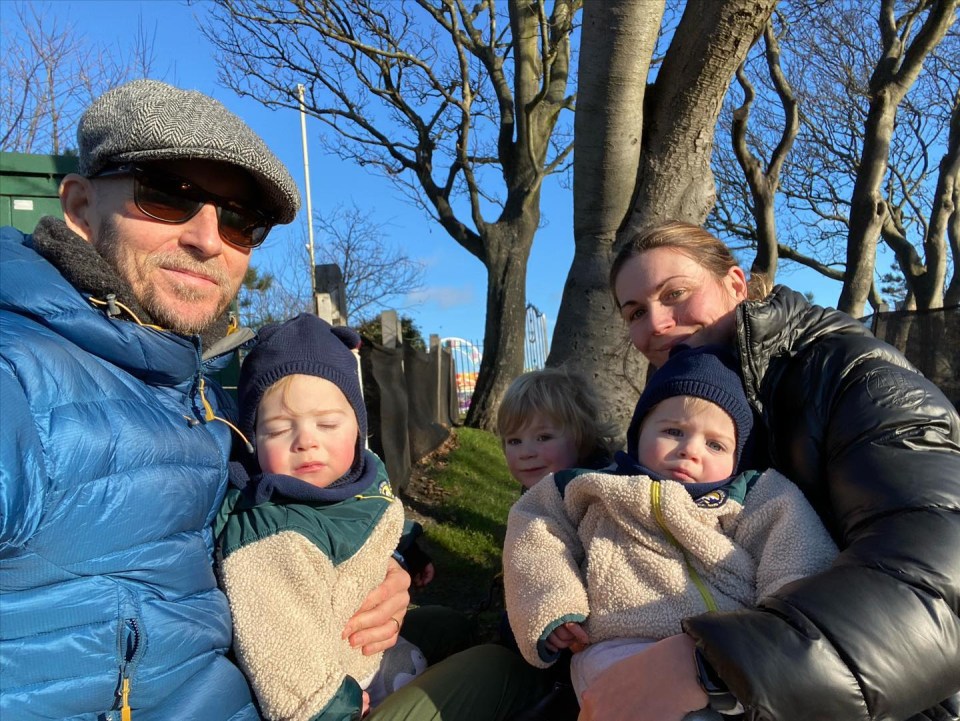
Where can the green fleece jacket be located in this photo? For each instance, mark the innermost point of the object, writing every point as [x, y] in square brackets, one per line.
[629, 556]
[295, 570]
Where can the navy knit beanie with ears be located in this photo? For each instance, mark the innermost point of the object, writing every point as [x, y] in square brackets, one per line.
[709, 372]
[305, 345]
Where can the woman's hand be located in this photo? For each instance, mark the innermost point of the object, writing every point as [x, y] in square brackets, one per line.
[659, 684]
[376, 624]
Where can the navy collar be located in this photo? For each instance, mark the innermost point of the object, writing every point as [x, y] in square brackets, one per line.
[627, 466]
[277, 487]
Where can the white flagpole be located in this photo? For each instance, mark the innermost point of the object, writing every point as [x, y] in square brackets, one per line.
[306, 175]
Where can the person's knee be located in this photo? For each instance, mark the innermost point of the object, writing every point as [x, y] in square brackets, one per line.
[482, 683]
[439, 631]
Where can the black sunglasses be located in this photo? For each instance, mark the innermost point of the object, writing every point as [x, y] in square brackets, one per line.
[172, 199]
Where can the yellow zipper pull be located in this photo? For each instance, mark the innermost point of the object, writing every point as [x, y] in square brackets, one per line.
[125, 701]
[209, 414]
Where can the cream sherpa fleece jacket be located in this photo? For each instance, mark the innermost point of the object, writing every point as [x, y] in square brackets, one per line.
[294, 573]
[597, 553]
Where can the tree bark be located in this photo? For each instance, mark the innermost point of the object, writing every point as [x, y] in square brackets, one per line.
[617, 42]
[764, 183]
[895, 73]
[672, 177]
[675, 180]
[504, 329]
[929, 286]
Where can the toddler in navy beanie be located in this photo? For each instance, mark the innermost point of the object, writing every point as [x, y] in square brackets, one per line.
[305, 536]
[304, 346]
[708, 373]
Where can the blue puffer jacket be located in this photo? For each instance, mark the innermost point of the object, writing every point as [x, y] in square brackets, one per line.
[110, 478]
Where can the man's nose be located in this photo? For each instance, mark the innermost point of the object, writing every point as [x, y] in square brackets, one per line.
[202, 232]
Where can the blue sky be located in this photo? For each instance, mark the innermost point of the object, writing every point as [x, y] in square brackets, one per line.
[453, 300]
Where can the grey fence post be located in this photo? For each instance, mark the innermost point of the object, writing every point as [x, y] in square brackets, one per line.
[331, 302]
[390, 328]
[435, 352]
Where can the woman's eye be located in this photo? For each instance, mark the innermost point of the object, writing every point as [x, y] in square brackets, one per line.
[638, 314]
[674, 295]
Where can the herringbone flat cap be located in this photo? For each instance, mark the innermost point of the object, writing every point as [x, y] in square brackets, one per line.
[148, 120]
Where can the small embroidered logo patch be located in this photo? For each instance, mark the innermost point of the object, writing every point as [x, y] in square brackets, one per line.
[385, 489]
[713, 499]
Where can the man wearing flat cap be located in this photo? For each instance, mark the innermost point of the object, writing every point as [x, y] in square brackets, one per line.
[113, 453]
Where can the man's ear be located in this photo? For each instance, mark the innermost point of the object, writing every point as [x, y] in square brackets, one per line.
[78, 202]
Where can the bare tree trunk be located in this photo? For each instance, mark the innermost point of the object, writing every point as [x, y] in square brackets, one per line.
[929, 287]
[952, 295]
[947, 204]
[671, 178]
[618, 39]
[764, 183]
[503, 338]
[893, 77]
[675, 179]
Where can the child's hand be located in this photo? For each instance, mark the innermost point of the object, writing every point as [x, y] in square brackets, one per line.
[365, 706]
[570, 635]
[419, 565]
[424, 576]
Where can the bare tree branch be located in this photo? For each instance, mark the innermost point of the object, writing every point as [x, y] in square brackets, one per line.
[833, 64]
[455, 103]
[54, 74]
[376, 276]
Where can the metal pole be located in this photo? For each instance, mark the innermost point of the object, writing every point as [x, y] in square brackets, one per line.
[306, 175]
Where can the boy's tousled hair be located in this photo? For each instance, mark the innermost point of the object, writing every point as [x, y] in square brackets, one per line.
[566, 398]
[281, 386]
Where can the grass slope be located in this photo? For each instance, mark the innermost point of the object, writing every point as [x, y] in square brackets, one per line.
[462, 495]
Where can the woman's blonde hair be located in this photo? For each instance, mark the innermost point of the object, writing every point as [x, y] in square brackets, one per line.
[693, 241]
[564, 397]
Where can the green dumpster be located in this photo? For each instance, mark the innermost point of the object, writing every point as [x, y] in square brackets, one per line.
[28, 187]
[28, 191]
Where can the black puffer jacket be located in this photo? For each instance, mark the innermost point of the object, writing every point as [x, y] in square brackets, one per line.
[876, 449]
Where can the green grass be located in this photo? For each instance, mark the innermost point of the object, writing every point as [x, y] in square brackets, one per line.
[462, 498]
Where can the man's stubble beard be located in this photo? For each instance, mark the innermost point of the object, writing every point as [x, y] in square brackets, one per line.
[109, 245]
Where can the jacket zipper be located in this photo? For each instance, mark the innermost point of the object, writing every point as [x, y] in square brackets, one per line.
[131, 646]
[656, 504]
